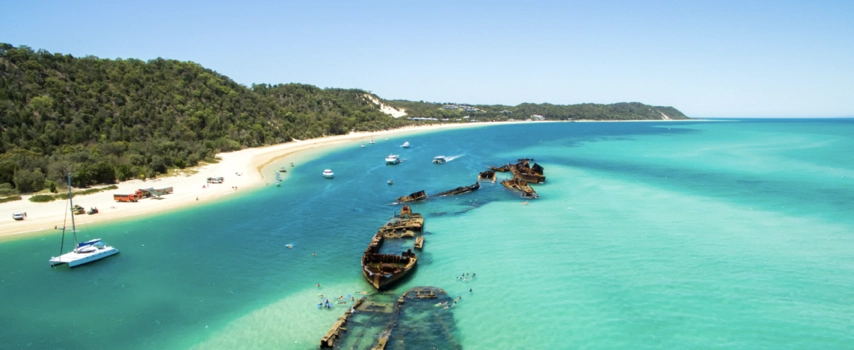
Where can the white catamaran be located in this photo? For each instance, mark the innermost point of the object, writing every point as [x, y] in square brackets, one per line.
[82, 253]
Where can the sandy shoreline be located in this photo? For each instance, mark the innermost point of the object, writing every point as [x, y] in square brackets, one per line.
[188, 188]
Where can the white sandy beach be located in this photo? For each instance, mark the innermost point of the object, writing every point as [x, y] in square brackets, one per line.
[43, 217]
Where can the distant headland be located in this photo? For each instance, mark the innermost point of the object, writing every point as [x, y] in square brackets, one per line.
[105, 120]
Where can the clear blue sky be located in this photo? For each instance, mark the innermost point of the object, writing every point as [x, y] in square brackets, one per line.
[709, 58]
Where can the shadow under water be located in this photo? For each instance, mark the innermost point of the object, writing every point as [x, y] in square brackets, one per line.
[420, 318]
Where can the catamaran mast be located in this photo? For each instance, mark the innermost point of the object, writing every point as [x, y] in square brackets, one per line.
[71, 203]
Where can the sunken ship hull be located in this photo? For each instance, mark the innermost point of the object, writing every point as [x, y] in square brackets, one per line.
[521, 186]
[488, 175]
[528, 175]
[383, 270]
[416, 196]
[531, 174]
[460, 190]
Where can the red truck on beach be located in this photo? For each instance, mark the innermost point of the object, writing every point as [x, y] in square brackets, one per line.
[125, 197]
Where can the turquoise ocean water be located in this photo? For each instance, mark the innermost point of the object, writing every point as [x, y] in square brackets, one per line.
[724, 234]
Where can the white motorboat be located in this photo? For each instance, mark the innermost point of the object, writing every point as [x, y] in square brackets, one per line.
[18, 216]
[328, 174]
[372, 140]
[86, 252]
[392, 159]
[439, 159]
[405, 144]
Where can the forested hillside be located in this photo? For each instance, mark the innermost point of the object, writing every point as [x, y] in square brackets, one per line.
[105, 120]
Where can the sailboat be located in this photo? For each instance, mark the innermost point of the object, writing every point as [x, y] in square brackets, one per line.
[84, 252]
[372, 140]
[278, 180]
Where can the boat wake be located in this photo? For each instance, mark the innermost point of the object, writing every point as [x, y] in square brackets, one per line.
[450, 158]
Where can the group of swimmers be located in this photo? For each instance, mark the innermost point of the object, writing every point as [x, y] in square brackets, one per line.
[466, 276]
[325, 303]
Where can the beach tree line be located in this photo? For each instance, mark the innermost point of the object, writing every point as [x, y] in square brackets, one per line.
[586, 111]
[108, 120]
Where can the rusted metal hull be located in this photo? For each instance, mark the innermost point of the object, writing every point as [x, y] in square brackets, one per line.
[338, 327]
[488, 175]
[417, 196]
[521, 186]
[383, 270]
[500, 169]
[402, 224]
[523, 172]
[460, 190]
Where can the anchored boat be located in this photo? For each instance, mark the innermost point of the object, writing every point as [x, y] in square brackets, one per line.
[392, 159]
[86, 252]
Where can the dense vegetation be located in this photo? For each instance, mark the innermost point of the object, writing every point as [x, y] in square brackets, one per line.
[105, 120]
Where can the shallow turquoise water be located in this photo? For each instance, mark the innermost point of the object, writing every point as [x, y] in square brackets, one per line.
[725, 234]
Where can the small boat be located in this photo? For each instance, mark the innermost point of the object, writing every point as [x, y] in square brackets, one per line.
[86, 252]
[283, 170]
[405, 144]
[363, 145]
[328, 174]
[92, 210]
[416, 196]
[390, 182]
[460, 190]
[372, 140]
[392, 159]
[18, 216]
[419, 242]
[439, 159]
